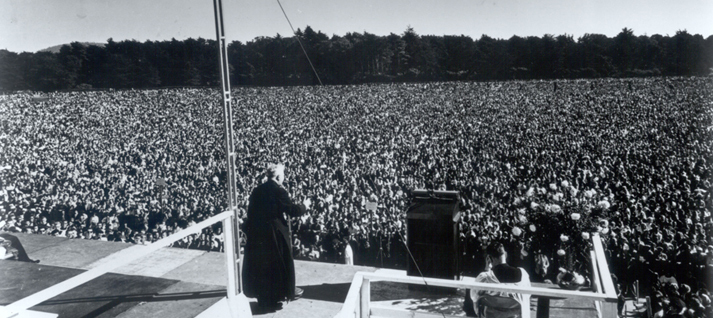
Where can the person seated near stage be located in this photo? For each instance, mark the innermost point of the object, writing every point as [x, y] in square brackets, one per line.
[12, 249]
[6, 250]
[485, 303]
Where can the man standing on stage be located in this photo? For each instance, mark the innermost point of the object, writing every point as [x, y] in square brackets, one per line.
[268, 268]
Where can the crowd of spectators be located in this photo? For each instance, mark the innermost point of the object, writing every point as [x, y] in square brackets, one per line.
[632, 155]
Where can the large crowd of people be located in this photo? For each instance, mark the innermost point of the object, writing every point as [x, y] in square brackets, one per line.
[630, 159]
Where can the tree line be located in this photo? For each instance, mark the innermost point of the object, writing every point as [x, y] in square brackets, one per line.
[356, 58]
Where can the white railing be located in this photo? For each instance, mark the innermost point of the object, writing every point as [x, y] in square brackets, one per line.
[358, 301]
[128, 255]
[601, 280]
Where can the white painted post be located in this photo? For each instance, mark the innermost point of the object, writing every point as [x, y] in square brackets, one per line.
[604, 274]
[365, 298]
[596, 283]
[357, 307]
[608, 308]
[231, 261]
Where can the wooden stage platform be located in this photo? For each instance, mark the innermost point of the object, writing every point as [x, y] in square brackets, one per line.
[183, 283]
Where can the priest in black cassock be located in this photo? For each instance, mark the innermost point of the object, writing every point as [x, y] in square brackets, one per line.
[268, 268]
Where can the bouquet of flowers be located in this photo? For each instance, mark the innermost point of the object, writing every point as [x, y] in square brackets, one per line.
[566, 238]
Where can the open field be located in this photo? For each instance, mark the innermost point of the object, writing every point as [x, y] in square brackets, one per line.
[630, 156]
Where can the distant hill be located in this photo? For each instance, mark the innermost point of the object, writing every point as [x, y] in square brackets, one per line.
[56, 48]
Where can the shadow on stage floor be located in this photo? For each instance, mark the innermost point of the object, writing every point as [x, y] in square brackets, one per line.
[112, 302]
[111, 294]
[327, 292]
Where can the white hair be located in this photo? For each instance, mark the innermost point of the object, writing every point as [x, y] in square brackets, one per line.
[274, 170]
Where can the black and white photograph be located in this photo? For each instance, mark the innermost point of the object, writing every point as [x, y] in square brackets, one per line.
[315, 158]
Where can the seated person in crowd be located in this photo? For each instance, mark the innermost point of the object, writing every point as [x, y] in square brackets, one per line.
[484, 303]
[12, 249]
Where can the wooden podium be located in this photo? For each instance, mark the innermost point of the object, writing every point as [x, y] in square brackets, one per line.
[432, 234]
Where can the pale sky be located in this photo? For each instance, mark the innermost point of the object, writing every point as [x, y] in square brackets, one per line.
[31, 25]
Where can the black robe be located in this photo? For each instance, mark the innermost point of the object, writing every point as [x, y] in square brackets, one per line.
[268, 268]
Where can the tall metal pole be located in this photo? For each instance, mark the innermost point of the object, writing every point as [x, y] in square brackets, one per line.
[230, 229]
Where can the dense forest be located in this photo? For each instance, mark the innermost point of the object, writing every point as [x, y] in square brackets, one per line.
[356, 58]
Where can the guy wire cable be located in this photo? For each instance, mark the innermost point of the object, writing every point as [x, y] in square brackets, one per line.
[314, 70]
[300, 42]
[413, 259]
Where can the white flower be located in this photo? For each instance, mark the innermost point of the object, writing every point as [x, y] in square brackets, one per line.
[603, 223]
[578, 279]
[522, 219]
[605, 230]
[585, 235]
[561, 252]
[556, 208]
[532, 228]
[575, 216]
[565, 184]
[625, 247]
[516, 231]
[564, 238]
